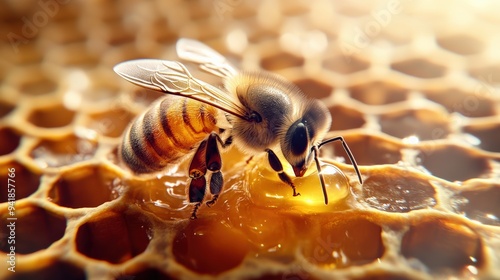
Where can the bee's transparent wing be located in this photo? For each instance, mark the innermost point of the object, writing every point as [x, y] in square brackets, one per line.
[207, 58]
[173, 78]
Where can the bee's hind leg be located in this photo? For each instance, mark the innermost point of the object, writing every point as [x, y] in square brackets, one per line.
[216, 182]
[197, 193]
[278, 167]
[197, 171]
[214, 164]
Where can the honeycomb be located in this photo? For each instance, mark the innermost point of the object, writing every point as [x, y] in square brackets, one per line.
[412, 86]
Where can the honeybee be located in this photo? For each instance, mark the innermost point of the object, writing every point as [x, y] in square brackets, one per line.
[256, 111]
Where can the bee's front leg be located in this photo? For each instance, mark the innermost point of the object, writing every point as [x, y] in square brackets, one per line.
[278, 167]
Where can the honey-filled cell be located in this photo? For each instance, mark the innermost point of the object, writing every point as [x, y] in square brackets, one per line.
[404, 192]
[210, 246]
[20, 180]
[343, 240]
[9, 140]
[113, 237]
[89, 186]
[49, 228]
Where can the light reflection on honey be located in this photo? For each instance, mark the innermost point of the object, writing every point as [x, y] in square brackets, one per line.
[265, 188]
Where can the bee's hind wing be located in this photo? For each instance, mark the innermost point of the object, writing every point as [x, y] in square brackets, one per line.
[207, 58]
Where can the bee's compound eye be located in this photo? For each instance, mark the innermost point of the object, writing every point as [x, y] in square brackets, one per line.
[263, 190]
[298, 138]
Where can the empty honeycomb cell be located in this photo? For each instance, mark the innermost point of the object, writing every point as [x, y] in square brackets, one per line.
[488, 135]
[281, 61]
[5, 108]
[105, 12]
[488, 79]
[395, 36]
[63, 151]
[60, 12]
[49, 227]
[453, 163]
[51, 116]
[442, 244]
[9, 140]
[53, 269]
[159, 31]
[74, 54]
[404, 192]
[479, 201]
[420, 68]
[423, 123]
[344, 241]
[352, 10]
[461, 44]
[86, 187]
[114, 33]
[313, 88]
[114, 237]
[63, 32]
[36, 83]
[210, 246]
[469, 104]
[110, 123]
[23, 181]
[100, 90]
[198, 11]
[345, 118]
[369, 149]
[26, 54]
[378, 92]
[97, 95]
[345, 65]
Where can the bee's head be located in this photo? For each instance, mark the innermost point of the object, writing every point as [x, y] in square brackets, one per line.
[302, 135]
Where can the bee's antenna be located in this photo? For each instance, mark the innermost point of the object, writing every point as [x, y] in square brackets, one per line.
[316, 148]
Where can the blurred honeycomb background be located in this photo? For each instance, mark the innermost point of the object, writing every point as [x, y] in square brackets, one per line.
[413, 86]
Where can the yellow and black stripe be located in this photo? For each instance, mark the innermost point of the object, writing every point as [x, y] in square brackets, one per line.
[168, 130]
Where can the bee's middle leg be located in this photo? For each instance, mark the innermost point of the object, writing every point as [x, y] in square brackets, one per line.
[278, 167]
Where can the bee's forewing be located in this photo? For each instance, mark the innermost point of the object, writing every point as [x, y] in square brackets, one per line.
[172, 77]
[137, 72]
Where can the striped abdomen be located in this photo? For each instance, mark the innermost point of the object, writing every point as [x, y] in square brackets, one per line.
[168, 130]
